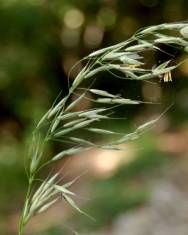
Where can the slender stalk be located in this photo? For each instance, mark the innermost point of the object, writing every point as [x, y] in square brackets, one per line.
[23, 220]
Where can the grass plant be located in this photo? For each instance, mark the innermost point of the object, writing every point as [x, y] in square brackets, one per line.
[125, 60]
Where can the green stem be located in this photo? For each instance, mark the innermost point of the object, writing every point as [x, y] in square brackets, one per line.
[23, 220]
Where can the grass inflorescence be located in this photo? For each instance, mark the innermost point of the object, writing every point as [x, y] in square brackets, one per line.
[61, 122]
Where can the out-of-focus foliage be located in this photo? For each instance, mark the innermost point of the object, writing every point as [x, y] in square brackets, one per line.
[128, 188]
[39, 43]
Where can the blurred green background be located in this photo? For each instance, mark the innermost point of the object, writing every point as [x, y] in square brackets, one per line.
[40, 40]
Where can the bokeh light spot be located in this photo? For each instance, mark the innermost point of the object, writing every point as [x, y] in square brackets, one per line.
[73, 18]
[93, 36]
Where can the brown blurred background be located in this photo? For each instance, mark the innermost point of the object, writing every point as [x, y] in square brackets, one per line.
[139, 192]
